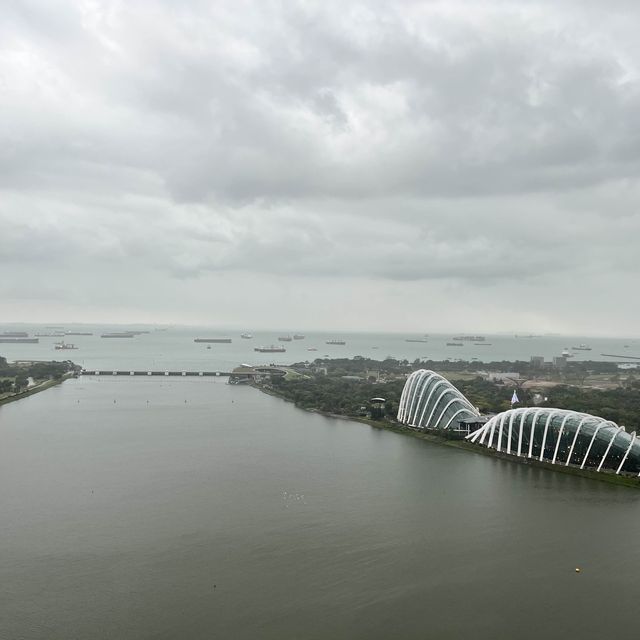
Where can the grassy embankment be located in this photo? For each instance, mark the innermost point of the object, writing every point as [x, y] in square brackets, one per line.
[39, 386]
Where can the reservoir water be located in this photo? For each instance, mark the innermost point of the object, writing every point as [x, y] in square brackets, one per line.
[188, 508]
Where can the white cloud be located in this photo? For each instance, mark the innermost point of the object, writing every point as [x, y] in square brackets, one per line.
[444, 150]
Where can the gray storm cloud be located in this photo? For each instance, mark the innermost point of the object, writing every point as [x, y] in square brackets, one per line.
[432, 151]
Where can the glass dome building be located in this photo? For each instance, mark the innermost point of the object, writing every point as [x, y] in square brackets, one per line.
[561, 437]
[430, 401]
[557, 436]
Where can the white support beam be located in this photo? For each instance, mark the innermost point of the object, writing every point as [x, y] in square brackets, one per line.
[504, 416]
[414, 396]
[457, 413]
[533, 431]
[575, 438]
[413, 379]
[427, 403]
[493, 428]
[615, 433]
[593, 437]
[435, 406]
[437, 422]
[624, 459]
[425, 386]
[560, 432]
[440, 380]
[403, 400]
[544, 435]
[486, 429]
[510, 431]
[522, 421]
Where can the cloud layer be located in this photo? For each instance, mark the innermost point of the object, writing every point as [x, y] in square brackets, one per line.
[321, 155]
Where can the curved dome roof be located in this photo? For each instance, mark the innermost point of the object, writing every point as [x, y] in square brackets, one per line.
[562, 437]
[430, 401]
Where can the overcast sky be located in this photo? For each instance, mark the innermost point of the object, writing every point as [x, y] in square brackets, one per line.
[384, 165]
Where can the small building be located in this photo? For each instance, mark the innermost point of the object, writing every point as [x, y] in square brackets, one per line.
[469, 425]
[377, 407]
[560, 362]
[503, 376]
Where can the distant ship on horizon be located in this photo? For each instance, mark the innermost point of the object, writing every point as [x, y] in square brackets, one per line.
[270, 349]
[58, 346]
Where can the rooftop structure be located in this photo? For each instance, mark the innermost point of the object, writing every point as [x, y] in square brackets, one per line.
[430, 401]
[562, 437]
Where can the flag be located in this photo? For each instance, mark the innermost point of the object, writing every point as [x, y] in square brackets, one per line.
[514, 397]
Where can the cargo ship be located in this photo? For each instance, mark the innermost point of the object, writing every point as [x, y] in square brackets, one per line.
[216, 340]
[19, 340]
[270, 349]
[454, 344]
[298, 336]
[469, 338]
[335, 342]
[64, 346]
[246, 336]
[416, 340]
[79, 333]
[584, 347]
[14, 334]
[117, 334]
[285, 339]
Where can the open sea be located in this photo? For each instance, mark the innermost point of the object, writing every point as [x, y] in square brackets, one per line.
[175, 349]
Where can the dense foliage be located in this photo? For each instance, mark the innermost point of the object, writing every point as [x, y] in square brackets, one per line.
[14, 377]
[324, 387]
[622, 405]
[336, 395]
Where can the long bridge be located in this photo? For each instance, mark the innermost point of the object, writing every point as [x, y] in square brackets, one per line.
[125, 372]
[243, 373]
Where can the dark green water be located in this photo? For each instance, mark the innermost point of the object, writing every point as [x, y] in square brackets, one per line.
[234, 515]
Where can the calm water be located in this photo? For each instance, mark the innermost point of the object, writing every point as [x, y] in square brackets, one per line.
[188, 508]
[175, 349]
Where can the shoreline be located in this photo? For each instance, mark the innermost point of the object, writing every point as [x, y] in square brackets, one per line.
[631, 482]
[47, 384]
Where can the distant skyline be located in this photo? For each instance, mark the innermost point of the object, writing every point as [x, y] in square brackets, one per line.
[344, 166]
